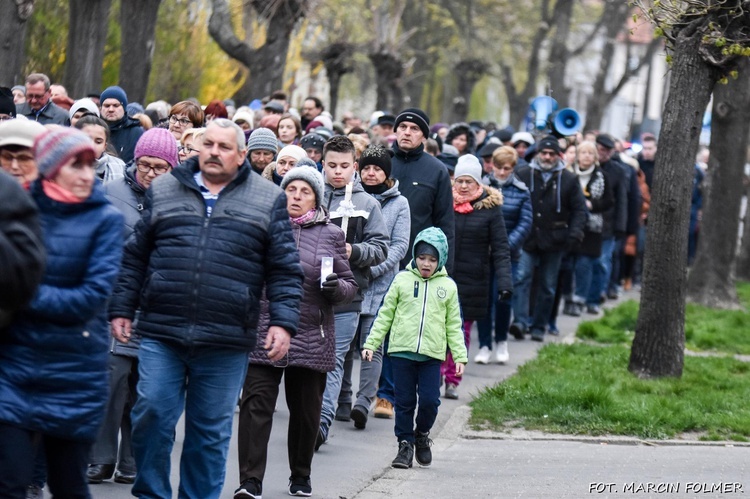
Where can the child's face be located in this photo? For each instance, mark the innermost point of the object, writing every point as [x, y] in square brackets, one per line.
[339, 168]
[427, 265]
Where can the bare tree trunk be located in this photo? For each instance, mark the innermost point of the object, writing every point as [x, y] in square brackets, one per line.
[87, 36]
[15, 15]
[137, 52]
[468, 73]
[559, 53]
[711, 282]
[658, 346]
[388, 72]
[337, 61]
[742, 269]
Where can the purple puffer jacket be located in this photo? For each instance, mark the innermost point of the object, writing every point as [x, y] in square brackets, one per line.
[314, 345]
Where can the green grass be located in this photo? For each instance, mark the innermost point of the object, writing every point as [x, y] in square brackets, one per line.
[586, 389]
[706, 330]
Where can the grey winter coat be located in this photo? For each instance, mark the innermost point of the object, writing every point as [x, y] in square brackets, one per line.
[314, 345]
[397, 218]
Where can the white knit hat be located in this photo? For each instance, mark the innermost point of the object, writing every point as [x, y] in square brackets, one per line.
[292, 151]
[468, 165]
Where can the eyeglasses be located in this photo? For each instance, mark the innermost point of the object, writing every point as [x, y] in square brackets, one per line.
[182, 121]
[187, 150]
[23, 158]
[35, 96]
[145, 168]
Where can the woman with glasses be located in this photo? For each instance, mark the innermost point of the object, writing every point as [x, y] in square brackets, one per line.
[190, 143]
[155, 155]
[183, 116]
[108, 166]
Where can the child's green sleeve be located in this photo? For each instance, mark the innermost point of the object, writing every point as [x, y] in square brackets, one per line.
[454, 330]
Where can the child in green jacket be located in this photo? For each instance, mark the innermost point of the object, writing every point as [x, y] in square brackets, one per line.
[422, 313]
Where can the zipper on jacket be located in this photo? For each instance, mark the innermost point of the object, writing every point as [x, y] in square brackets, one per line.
[416, 289]
[196, 278]
[421, 321]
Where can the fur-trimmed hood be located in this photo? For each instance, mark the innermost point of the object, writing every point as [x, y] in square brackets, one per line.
[459, 129]
[491, 198]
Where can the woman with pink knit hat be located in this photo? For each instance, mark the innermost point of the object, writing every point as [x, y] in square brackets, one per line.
[155, 155]
[54, 353]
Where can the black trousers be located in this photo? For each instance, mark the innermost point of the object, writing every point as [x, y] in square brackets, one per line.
[67, 461]
[304, 396]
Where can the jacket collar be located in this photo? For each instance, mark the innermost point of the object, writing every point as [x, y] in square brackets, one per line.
[184, 174]
[408, 156]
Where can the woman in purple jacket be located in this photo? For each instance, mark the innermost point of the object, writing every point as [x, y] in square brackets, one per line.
[312, 350]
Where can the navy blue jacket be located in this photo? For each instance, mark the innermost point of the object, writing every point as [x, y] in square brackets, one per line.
[124, 134]
[516, 212]
[53, 357]
[198, 279]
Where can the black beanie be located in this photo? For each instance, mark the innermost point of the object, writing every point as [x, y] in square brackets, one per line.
[548, 142]
[416, 116]
[378, 156]
[6, 102]
[423, 248]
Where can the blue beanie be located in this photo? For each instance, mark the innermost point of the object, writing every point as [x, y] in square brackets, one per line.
[114, 92]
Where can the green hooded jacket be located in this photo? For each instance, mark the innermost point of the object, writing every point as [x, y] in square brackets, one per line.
[422, 315]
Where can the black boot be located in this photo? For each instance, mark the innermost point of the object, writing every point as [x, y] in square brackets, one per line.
[343, 412]
[422, 452]
[405, 455]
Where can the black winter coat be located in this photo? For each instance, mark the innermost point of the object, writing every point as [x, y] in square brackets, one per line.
[123, 135]
[198, 279]
[558, 207]
[616, 217]
[481, 237]
[21, 248]
[599, 193]
[424, 181]
[314, 345]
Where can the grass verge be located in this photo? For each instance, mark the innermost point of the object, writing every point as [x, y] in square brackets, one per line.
[706, 330]
[584, 389]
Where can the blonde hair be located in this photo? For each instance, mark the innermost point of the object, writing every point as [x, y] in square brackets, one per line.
[503, 155]
[195, 133]
[360, 144]
[587, 144]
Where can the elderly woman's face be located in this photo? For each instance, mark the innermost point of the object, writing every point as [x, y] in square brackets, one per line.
[465, 185]
[284, 164]
[300, 198]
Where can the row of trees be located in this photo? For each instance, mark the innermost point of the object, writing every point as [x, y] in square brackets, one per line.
[430, 53]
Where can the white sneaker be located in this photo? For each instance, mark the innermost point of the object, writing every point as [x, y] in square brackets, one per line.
[501, 352]
[483, 357]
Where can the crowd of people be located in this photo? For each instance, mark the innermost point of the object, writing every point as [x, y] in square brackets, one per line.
[174, 259]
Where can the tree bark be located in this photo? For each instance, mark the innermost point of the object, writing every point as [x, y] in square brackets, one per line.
[337, 61]
[468, 73]
[15, 15]
[711, 283]
[84, 56]
[658, 346]
[267, 62]
[389, 70]
[742, 269]
[138, 18]
[559, 53]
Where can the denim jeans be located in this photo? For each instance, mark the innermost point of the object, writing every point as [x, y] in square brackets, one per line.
[584, 271]
[385, 384]
[548, 268]
[205, 382]
[499, 310]
[602, 270]
[346, 326]
[416, 383]
[617, 254]
[369, 372]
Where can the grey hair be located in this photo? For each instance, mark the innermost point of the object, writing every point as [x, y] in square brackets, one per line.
[225, 123]
[35, 78]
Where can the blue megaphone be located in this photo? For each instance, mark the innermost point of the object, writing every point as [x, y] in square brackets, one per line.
[542, 107]
[565, 122]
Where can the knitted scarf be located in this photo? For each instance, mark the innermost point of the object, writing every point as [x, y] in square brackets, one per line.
[303, 219]
[57, 193]
[462, 204]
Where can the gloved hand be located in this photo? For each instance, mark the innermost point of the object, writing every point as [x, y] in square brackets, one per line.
[505, 295]
[330, 285]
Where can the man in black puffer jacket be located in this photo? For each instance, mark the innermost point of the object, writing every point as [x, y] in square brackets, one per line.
[559, 211]
[211, 237]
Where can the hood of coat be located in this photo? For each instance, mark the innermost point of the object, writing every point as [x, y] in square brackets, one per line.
[436, 238]
[491, 198]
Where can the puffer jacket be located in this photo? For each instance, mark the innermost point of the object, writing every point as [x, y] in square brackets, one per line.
[481, 237]
[422, 315]
[124, 135]
[198, 279]
[558, 207]
[366, 232]
[395, 208]
[53, 357]
[516, 212]
[128, 196]
[314, 345]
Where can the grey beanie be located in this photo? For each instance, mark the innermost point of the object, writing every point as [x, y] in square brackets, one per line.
[263, 139]
[309, 174]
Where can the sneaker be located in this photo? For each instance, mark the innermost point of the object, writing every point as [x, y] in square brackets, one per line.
[359, 415]
[383, 409]
[34, 492]
[593, 309]
[501, 352]
[343, 412]
[300, 486]
[321, 438]
[405, 455]
[483, 357]
[422, 452]
[451, 391]
[569, 308]
[537, 335]
[517, 330]
[553, 330]
[251, 488]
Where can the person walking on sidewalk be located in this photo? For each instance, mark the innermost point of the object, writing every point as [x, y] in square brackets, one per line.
[422, 313]
[480, 238]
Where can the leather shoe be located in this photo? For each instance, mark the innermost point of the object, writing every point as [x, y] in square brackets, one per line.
[97, 473]
[124, 477]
